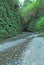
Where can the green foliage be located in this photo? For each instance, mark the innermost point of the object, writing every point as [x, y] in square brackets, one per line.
[31, 15]
[9, 20]
[26, 2]
[16, 1]
[30, 10]
[37, 25]
[40, 24]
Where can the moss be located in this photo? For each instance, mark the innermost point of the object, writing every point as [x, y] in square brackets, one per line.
[9, 20]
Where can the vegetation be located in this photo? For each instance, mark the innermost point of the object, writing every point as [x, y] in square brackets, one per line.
[29, 11]
[40, 24]
[33, 15]
[13, 18]
[26, 2]
[9, 20]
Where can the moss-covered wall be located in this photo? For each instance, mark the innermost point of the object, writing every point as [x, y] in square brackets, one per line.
[9, 20]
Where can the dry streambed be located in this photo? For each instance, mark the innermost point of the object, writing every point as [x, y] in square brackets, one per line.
[34, 53]
[22, 51]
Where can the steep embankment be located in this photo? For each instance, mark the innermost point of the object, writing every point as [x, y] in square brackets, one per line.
[9, 19]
